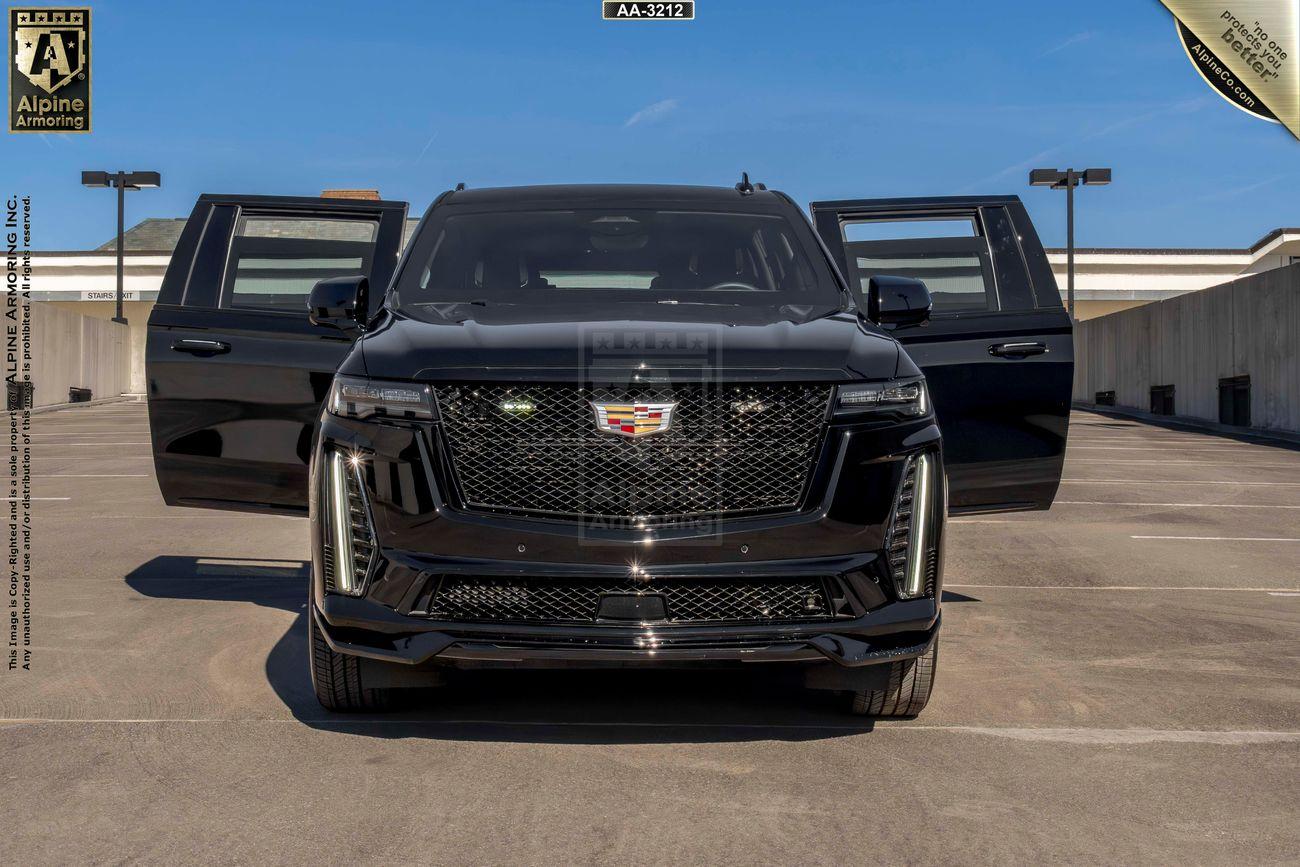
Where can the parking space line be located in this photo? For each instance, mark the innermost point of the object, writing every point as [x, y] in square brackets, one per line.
[131, 443]
[1157, 461]
[196, 512]
[1179, 482]
[1078, 735]
[1072, 447]
[1174, 505]
[1221, 538]
[1125, 587]
[91, 476]
[40, 432]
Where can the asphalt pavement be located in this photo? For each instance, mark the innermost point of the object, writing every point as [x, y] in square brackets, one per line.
[1118, 682]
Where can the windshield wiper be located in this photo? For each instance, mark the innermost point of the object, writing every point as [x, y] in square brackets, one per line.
[698, 303]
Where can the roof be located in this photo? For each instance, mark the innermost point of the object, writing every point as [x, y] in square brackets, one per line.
[154, 234]
[160, 235]
[365, 195]
[1154, 251]
[621, 194]
[1187, 251]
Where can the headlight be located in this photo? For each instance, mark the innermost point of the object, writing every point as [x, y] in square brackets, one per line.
[355, 397]
[350, 538]
[908, 398]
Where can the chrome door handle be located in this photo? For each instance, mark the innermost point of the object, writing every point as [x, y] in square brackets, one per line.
[1017, 350]
[196, 346]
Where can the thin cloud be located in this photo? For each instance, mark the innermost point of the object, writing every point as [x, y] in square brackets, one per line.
[1186, 106]
[652, 113]
[1084, 36]
[1237, 192]
[424, 150]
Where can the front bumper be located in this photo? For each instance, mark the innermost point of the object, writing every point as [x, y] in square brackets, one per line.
[840, 534]
[359, 628]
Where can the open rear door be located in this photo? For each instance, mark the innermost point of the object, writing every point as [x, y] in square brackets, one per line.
[236, 373]
[997, 353]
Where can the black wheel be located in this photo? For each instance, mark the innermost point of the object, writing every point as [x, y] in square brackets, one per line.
[910, 683]
[336, 677]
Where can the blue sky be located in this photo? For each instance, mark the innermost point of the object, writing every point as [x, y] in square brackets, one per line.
[822, 100]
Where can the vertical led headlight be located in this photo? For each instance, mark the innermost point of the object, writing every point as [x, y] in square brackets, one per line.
[911, 529]
[919, 535]
[350, 539]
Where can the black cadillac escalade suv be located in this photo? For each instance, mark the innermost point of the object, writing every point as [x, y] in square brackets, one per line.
[614, 425]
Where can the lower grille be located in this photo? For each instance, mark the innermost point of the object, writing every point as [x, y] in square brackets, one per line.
[727, 449]
[575, 600]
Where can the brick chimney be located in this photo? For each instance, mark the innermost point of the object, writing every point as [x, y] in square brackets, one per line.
[368, 195]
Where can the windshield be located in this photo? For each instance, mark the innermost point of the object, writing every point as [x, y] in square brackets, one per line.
[597, 257]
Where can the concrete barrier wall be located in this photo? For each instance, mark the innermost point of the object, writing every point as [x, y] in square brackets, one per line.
[1249, 327]
[71, 350]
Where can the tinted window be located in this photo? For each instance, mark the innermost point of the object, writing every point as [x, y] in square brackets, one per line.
[946, 251]
[891, 230]
[956, 282]
[275, 261]
[594, 256]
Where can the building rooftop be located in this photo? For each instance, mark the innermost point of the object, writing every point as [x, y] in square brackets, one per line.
[161, 234]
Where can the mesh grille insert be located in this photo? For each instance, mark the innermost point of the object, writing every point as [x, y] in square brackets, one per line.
[575, 600]
[730, 449]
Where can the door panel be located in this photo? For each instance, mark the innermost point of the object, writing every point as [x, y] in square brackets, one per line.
[1003, 408]
[236, 373]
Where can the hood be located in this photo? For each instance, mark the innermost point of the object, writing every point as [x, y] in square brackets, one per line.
[672, 343]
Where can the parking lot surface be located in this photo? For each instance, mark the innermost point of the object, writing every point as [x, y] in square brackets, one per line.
[1118, 682]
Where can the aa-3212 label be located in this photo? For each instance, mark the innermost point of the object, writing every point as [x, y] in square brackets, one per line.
[614, 10]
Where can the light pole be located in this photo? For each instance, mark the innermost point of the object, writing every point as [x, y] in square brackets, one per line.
[123, 181]
[1069, 179]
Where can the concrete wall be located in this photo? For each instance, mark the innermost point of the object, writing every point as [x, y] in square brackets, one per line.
[137, 317]
[1249, 327]
[72, 350]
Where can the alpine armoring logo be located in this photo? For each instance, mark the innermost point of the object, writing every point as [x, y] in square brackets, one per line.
[1219, 77]
[49, 79]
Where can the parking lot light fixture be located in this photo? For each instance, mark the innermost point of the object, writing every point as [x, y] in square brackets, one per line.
[123, 181]
[1068, 179]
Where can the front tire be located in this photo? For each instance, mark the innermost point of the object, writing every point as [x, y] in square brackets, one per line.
[910, 684]
[336, 677]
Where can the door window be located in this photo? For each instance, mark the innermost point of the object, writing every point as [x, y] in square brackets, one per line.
[896, 230]
[276, 260]
[944, 251]
[955, 282]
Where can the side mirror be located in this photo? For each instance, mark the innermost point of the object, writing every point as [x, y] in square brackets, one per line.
[897, 300]
[340, 302]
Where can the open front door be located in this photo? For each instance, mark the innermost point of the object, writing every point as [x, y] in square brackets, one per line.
[236, 373]
[998, 351]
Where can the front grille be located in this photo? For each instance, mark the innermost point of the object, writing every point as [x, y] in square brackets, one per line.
[731, 449]
[576, 600]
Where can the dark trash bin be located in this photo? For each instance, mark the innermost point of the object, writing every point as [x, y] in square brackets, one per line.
[21, 395]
